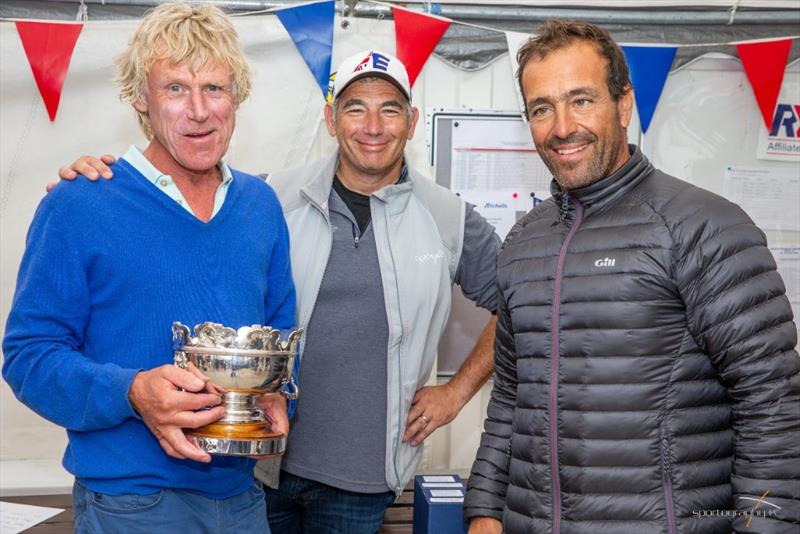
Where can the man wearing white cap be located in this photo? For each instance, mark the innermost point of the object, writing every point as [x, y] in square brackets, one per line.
[375, 250]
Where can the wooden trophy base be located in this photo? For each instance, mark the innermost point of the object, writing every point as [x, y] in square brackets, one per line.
[239, 439]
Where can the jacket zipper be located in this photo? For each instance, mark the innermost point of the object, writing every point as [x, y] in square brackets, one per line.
[667, 478]
[396, 443]
[553, 407]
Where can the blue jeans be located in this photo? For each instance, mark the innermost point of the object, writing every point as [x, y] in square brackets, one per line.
[168, 511]
[303, 506]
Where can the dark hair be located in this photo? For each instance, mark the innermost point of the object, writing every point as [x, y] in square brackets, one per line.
[557, 34]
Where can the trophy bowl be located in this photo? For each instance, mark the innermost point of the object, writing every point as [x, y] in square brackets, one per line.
[242, 370]
[240, 365]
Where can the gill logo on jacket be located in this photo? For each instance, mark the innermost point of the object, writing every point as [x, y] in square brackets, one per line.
[605, 262]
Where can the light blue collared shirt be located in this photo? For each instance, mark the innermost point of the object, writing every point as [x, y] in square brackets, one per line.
[166, 184]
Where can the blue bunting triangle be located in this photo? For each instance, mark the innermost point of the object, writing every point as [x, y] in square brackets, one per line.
[649, 67]
[311, 28]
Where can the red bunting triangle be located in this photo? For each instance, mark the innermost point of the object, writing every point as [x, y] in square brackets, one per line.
[49, 49]
[764, 64]
[416, 36]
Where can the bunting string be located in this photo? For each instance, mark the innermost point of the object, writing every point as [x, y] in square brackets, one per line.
[48, 46]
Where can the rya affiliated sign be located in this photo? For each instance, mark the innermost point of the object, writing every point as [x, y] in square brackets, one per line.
[782, 141]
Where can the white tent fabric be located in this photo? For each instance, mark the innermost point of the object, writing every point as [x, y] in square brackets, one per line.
[707, 119]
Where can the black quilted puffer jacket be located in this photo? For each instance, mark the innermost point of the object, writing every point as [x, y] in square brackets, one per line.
[646, 372]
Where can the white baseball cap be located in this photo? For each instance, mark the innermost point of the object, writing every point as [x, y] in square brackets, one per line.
[371, 63]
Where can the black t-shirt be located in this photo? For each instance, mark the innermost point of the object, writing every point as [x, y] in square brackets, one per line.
[357, 203]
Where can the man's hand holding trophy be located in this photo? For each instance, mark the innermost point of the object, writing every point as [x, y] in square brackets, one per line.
[251, 369]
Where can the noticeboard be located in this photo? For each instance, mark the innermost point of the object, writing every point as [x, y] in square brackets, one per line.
[488, 158]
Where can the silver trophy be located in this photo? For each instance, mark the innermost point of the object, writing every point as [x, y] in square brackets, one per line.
[241, 365]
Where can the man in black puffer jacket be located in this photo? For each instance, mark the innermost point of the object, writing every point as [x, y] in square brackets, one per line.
[646, 373]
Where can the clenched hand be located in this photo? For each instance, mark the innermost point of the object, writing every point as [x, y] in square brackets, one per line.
[432, 407]
[166, 410]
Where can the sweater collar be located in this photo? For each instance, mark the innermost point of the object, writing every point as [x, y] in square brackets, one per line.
[603, 193]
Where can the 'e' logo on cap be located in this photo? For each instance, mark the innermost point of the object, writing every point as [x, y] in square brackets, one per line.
[380, 62]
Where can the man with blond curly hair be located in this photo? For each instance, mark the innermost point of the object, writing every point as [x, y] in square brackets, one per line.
[88, 342]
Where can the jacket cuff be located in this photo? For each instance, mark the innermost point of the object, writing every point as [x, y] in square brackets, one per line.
[477, 512]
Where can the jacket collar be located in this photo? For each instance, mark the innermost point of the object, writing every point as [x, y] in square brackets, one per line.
[318, 189]
[605, 192]
[396, 196]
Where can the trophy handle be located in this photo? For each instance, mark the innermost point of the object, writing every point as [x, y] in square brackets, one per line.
[180, 359]
[290, 390]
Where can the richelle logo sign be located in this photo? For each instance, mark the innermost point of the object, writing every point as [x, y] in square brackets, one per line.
[782, 141]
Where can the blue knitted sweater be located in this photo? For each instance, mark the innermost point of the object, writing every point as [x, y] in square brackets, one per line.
[108, 267]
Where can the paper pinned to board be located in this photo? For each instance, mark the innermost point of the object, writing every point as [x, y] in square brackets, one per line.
[768, 195]
[782, 141]
[16, 517]
[495, 155]
[502, 209]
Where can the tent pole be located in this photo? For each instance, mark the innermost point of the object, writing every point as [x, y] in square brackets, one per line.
[467, 12]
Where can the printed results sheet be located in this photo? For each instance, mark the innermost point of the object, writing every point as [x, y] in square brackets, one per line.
[496, 167]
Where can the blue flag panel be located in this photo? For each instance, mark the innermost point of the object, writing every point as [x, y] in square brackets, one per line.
[311, 28]
[649, 67]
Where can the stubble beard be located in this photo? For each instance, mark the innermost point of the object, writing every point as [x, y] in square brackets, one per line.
[601, 164]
